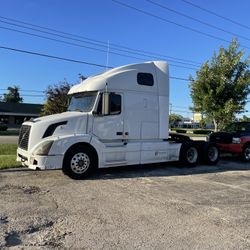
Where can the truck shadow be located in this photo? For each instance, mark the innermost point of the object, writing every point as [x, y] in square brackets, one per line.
[154, 170]
[169, 169]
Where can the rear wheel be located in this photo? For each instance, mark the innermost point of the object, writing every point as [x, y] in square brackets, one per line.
[188, 155]
[210, 154]
[246, 153]
[79, 162]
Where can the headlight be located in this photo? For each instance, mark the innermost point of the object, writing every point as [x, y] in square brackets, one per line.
[236, 140]
[43, 148]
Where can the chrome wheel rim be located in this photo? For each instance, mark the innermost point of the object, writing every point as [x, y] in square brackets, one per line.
[80, 163]
[213, 153]
[247, 153]
[192, 155]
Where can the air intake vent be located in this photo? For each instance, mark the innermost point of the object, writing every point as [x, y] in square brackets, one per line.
[24, 137]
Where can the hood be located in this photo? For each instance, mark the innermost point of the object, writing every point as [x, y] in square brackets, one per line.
[67, 123]
[222, 137]
[57, 117]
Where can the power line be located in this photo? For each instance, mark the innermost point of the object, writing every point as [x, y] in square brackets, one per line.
[216, 14]
[33, 91]
[179, 78]
[100, 50]
[52, 39]
[26, 90]
[172, 22]
[52, 56]
[29, 95]
[158, 54]
[131, 51]
[33, 95]
[70, 60]
[96, 42]
[196, 20]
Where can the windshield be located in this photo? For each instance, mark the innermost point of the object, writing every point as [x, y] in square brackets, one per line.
[83, 102]
[237, 127]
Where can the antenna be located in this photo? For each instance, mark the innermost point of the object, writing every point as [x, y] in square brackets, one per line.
[107, 62]
[106, 87]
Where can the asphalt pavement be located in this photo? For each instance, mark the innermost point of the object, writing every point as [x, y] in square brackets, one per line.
[139, 207]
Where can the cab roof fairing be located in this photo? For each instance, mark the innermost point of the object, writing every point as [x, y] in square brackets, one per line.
[123, 78]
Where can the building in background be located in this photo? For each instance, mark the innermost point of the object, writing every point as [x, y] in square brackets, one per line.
[14, 114]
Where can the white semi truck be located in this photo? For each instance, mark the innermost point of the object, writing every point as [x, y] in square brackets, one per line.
[117, 118]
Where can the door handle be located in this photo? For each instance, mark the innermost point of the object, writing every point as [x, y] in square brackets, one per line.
[121, 133]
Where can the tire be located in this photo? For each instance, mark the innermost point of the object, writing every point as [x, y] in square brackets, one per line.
[210, 154]
[189, 155]
[79, 162]
[246, 153]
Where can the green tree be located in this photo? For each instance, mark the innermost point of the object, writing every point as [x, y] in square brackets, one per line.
[174, 119]
[57, 98]
[244, 119]
[221, 86]
[202, 123]
[13, 95]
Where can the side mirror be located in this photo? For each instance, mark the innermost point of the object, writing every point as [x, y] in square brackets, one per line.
[105, 103]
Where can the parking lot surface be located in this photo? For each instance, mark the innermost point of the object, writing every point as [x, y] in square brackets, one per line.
[139, 207]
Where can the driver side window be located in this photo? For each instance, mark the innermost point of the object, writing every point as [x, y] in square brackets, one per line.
[115, 104]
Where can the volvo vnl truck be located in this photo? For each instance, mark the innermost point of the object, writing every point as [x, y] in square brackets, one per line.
[116, 118]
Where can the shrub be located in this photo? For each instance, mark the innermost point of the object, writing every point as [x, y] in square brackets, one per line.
[181, 131]
[202, 132]
[3, 127]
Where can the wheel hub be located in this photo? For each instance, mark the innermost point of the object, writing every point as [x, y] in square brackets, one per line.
[212, 153]
[192, 155]
[80, 163]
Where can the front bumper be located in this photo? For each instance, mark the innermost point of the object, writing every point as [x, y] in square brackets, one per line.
[38, 161]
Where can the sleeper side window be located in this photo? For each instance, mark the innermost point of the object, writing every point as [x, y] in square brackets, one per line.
[146, 79]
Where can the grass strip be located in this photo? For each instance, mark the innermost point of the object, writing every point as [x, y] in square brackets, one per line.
[9, 161]
[8, 156]
[8, 149]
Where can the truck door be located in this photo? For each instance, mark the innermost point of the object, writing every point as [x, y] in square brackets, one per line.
[110, 128]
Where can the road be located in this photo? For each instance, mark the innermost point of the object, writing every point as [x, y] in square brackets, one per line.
[140, 207]
[8, 139]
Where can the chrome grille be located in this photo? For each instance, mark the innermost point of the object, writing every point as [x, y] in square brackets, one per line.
[24, 137]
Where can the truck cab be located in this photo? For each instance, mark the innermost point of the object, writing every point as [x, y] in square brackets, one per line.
[116, 118]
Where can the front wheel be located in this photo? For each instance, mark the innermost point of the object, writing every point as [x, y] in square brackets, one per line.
[79, 162]
[246, 153]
